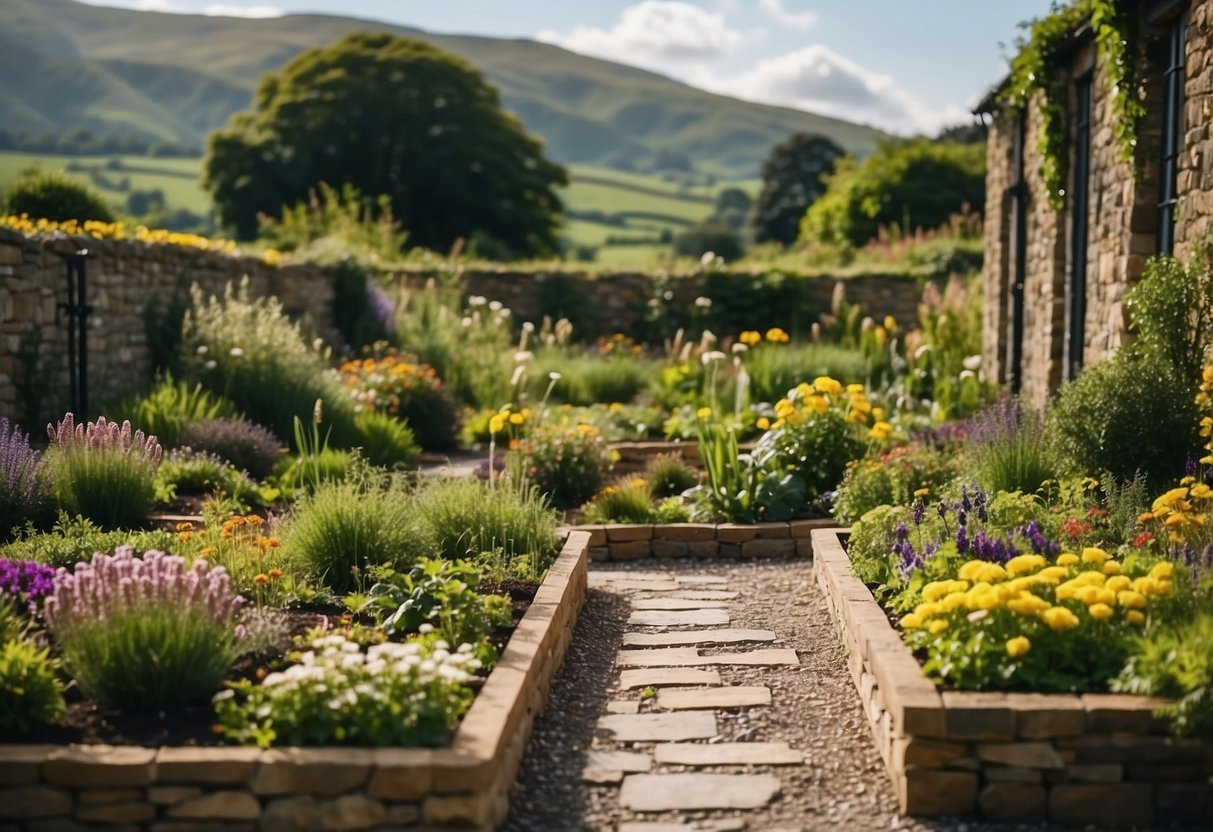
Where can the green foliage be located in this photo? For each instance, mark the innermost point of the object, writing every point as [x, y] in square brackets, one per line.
[1171, 311]
[668, 475]
[893, 478]
[567, 465]
[944, 367]
[13, 623]
[1176, 661]
[709, 236]
[793, 178]
[385, 440]
[774, 369]
[362, 313]
[587, 379]
[1008, 450]
[105, 485]
[166, 410]
[908, 184]
[742, 488]
[623, 502]
[185, 472]
[466, 517]
[30, 690]
[249, 351]
[392, 695]
[75, 539]
[672, 510]
[344, 527]
[337, 224]
[249, 447]
[872, 536]
[52, 195]
[816, 449]
[414, 106]
[758, 301]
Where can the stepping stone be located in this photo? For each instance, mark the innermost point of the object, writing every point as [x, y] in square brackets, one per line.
[703, 594]
[656, 827]
[691, 580]
[676, 604]
[607, 767]
[664, 677]
[679, 618]
[623, 706]
[689, 657]
[678, 638]
[727, 754]
[696, 725]
[638, 586]
[689, 699]
[719, 825]
[690, 792]
[613, 577]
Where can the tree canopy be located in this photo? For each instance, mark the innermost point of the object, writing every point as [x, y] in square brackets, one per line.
[396, 116]
[793, 178]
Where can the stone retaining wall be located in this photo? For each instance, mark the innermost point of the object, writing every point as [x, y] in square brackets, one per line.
[1016, 757]
[463, 786]
[702, 540]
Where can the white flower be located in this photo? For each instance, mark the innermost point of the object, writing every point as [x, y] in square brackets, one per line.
[973, 362]
[477, 300]
[212, 364]
[921, 351]
[425, 629]
[202, 349]
[528, 327]
[554, 376]
[496, 306]
[236, 352]
[712, 355]
[707, 258]
[466, 323]
[701, 301]
[523, 356]
[739, 348]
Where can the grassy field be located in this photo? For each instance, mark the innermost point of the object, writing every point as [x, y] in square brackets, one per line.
[602, 203]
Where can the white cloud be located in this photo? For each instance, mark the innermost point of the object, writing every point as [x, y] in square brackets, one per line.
[794, 20]
[218, 10]
[655, 33]
[153, 6]
[817, 79]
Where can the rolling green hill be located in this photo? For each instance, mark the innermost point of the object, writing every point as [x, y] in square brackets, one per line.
[176, 77]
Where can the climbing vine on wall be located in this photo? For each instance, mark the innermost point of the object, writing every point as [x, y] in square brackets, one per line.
[1034, 70]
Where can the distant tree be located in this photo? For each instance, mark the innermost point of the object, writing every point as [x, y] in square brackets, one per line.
[793, 178]
[733, 208]
[711, 235]
[53, 195]
[972, 133]
[672, 160]
[389, 115]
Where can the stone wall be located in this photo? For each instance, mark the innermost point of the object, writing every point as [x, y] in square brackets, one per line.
[702, 540]
[1069, 759]
[190, 789]
[1122, 217]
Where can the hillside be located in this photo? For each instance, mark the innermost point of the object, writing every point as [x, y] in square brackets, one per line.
[176, 77]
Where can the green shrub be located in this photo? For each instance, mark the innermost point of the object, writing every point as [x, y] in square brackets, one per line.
[467, 517]
[1007, 450]
[1176, 661]
[386, 381]
[815, 444]
[249, 447]
[30, 691]
[893, 478]
[672, 510]
[53, 195]
[568, 465]
[251, 352]
[668, 475]
[627, 501]
[866, 485]
[166, 410]
[185, 472]
[13, 624]
[774, 369]
[345, 527]
[103, 472]
[144, 634]
[385, 440]
[590, 378]
[75, 539]
[709, 236]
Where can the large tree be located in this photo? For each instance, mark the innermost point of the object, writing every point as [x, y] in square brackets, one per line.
[793, 178]
[396, 116]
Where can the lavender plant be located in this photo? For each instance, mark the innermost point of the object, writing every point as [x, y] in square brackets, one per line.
[144, 634]
[25, 583]
[22, 490]
[102, 471]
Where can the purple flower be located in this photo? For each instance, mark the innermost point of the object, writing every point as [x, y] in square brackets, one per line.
[962, 540]
[920, 509]
[26, 581]
[908, 559]
[19, 485]
[902, 532]
[965, 503]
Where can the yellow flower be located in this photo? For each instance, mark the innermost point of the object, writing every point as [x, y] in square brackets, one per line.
[1131, 599]
[750, 337]
[1025, 563]
[1059, 618]
[818, 403]
[763, 423]
[1051, 574]
[1145, 517]
[1163, 571]
[1100, 612]
[497, 423]
[922, 492]
[854, 388]
[889, 323]
[1111, 568]
[517, 418]
[937, 626]
[1200, 491]
[1094, 555]
[777, 336]
[261, 580]
[1118, 583]
[1067, 559]
[880, 431]
[1135, 617]
[968, 571]
[911, 622]
[827, 385]
[936, 590]
[704, 413]
[1017, 646]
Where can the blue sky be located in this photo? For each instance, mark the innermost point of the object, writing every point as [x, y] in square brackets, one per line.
[898, 64]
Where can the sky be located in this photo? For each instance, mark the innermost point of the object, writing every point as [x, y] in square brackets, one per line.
[906, 66]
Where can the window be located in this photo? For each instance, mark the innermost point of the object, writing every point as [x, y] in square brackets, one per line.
[1076, 294]
[1173, 100]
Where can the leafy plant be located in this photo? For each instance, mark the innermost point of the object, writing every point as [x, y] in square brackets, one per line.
[385, 440]
[567, 465]
[250, 447]
[187, 472]
[818, 432]
[30, 690]
[144, 634]
[668, 475]
[53, 195]
[170, 406]
[103, 472]
[742, 488]
[387, 382]
[75, 539]
[626, 501]
[1176, 661]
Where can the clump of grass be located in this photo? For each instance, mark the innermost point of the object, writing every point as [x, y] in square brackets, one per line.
[386, 441]
[588, 379]
[625, 501]
[668, 475]
[250, 447]
[185, 472]
[1008, 450]
[170, 406]
[774, 369]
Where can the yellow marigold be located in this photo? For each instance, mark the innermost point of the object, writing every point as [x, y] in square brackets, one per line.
[261, 580]
[704, 413]
[991, 572]
[854, 388]
[878, 414]
[1129, 599]
[1052, 574]
[777, 336]
[1200, 491]
[1162, 571]
[763, 423]
[968, 571]
[750, 337]
[497, 422]
[1148, 585]
[818, 403]
[1135, 617]
[1111, 568]
[1017, 646]
[827, 385]
[1119, 583]
[1025, 563]
[1094, 555]
[936, 590]
[987, 600]
[1060, 618]
[1145, 517]
[953, 601]
[880, 431]
[928, 610]
[937, 626]
[911, 622]
[1091, 578]
[1067, 559]
[1067, 591]
[1100, 612]
[1087, 594]
[275, 574]
[517, 418]
[1027, 604]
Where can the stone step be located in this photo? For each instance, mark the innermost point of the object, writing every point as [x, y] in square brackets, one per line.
[623, 706]
[679, 618]
[737, 696]
[676, 604]
[665, 677]
[614, 576]
[727, 754]
[690, 657]
[676, 638]
[692, 792]
[696, 594]
[606, 767]
[691, 725]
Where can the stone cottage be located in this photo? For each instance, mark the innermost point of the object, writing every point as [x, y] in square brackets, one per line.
[1056, 271]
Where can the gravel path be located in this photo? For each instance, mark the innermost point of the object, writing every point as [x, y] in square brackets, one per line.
[842, 784]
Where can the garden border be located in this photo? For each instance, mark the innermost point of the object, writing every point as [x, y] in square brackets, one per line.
[1024, 757]
[625, 541]
[189, 789]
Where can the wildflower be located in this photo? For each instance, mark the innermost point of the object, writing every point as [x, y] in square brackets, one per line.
[937, 626]
[1135, 617]
[275, 574]
[1094, 555]
[1130, 599]
[516, 419]
[750, 337]
[777, 336]
[1017, 646]
[1059, 618]
[1067, 559]
[1100, 612]
[185, 527]
[763, 423]
[827, 385]
[704, 413]
[236, 352]
[1163, 571]
[911, 622]
[497, 423]
[554, 376]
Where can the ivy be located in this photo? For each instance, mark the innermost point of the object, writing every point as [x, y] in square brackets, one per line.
[1034, 70]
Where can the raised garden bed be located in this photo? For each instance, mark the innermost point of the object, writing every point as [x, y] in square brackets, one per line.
[701, 540]
[1023, 757]
[464, 785]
